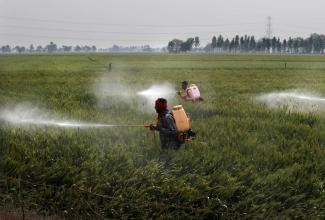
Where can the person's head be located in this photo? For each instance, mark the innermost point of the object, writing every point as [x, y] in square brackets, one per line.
[184, 84]
[161, 105]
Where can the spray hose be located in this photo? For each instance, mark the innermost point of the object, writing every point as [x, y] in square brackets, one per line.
[145, 125]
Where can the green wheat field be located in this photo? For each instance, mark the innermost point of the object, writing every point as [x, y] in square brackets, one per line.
[247, 162]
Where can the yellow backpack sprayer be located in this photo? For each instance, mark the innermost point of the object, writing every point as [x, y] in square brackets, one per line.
[183, 124]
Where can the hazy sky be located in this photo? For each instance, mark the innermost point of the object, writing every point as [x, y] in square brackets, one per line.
[138, 22]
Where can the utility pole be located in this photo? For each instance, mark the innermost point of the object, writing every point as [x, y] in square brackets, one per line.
[269, 28]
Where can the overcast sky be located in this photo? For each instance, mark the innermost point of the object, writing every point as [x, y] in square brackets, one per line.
[155, 22]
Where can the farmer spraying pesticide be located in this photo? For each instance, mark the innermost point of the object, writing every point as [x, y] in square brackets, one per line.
[174, 127]
[190, 92]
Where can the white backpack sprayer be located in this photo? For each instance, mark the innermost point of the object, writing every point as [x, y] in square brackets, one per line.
[194, 92]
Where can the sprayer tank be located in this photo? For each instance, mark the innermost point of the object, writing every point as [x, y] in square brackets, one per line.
[182, 121]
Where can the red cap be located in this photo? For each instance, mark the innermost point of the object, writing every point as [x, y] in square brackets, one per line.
[161, 104]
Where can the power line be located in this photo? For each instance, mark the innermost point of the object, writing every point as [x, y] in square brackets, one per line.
[90, 39]
[117, 32]
[296, 27]
[150, 25]
[128, 25]
[78, 38]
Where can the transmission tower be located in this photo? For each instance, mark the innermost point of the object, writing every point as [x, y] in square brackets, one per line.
[269, 27]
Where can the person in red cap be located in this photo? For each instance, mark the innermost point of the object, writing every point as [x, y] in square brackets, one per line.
[165, 125]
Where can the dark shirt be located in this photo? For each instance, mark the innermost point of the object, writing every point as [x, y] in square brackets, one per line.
[167, 131]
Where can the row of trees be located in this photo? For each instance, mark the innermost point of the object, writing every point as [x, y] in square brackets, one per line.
[53, 48]
[143, 48]
[50, 48]
[315, 43]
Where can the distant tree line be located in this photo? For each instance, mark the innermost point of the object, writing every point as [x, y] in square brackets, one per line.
[53, 48]
[314, 44]
[50, 48]
[144, 48]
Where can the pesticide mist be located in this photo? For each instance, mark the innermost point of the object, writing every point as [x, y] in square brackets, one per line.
[294, 100]
[154, 92]
[118, 88]
[112, 89]
[24, 116]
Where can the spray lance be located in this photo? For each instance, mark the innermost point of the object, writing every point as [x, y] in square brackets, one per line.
[85, 125]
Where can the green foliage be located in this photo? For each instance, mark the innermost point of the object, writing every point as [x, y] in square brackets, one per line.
[247, 161]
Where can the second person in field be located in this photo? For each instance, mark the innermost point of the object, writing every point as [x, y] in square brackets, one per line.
[190, 92]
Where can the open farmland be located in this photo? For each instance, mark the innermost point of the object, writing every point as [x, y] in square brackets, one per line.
[247, 162]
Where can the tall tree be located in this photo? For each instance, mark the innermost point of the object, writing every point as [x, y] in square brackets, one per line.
[220, 42]
[290, 45]
[196, 42]
[232, 45]
[309, 45]
[214, 42]
[260, 45]
[278, 45]
[187, 45]
[20, 49]
[52, 47]
[295, 45]
[226, 44]
[31, 48]
[236, 42]
[242, 43]
[273, 44]
[174, 46]
[6, 49]
[246, 43]
[39, 49]
[268, 44]
[284, 45]
[171, 46]
[86, 48]
[78, 48]
[252, 43]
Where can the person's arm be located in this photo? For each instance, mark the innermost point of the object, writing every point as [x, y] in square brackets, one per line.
[153, 127]
[171, 128]
[182, 94]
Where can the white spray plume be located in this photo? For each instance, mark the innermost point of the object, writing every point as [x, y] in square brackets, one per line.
[165, 90]
[293, 100]
[112, 88]
[23, 115]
